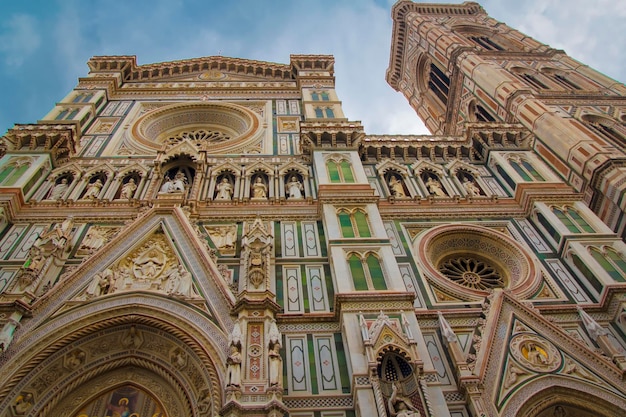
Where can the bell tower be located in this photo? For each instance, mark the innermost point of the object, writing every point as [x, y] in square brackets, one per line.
[458, 67]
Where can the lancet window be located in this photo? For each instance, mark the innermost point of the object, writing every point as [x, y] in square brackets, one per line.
[367, 272]
[353, 223]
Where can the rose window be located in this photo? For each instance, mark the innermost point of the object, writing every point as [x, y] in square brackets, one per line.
[472, 273]
[200, 136]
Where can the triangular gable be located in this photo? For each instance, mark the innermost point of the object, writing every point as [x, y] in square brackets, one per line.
[178, 238]
[513, 355]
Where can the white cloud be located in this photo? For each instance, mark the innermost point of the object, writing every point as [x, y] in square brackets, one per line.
[19, 39]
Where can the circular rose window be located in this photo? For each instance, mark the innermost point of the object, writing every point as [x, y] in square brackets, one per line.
[467, 260]
[218, 127]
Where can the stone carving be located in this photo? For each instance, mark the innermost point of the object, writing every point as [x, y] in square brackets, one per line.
[535, 353]
[205, 405]
[23, 403]
[275, 365]
[512, 376]
[446, 329]
[396, 187]
[255, 259]
[364, 330]
[103, 283]
[294, 188]
[133, 339]
[128, 190]
[179, 282]
[224, 238]
[224, 190]
[233, 375]
[93, 190]
[435, 188]
[74, 359]
[259, 189]
[58, 191]
[178, 358]
[401, 406]
[95, 239]
[470, 187]
[176, 185]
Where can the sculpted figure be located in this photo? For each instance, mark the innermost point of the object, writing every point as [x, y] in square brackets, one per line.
[401, 406]
[470, 188]
[103, 283]
[180, 282]
[179, 184]
[23, 403]
[273, 355]
[224, 190]
[57, 192]
[396, 187]
[434, 187]
[93, 189]
[167, 185]
[294, 188]
[128, 189]
[259, 189]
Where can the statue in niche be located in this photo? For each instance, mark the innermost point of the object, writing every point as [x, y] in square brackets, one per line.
[93, 190]
[23, 403]
[470, 187]
[167, 185]
[233, 376]
[256, 270]
[128, 190]
[59, 189]
[396, 187]
[259, 189]
[179, 184]
[103, 283]
[224, 190]
[401, 406]
[294, 188]
[273, 355]
[434, 187]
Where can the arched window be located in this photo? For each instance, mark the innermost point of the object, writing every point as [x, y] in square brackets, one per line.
[367, 272]
[532, 80]
[82, 98]
[439, 83]
[315, 96]
[339, 171]
[6, 171]
[330, 113]
[485, 43]
[319, 113]
[525, 170]
[353, 223]
[574, 222]
[478, 113]
[324, 96]
[606, 128]
[611, 261]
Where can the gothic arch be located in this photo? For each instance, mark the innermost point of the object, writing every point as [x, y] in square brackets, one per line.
[101, 331]
[546, 393]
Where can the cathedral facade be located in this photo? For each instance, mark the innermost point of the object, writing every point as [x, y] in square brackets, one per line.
[215, 237]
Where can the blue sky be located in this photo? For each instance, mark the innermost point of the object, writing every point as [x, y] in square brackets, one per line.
[45, 44]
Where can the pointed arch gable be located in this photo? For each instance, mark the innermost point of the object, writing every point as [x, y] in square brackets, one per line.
[189, 250]
[506, 312]
[388, 164]
[293, 166]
